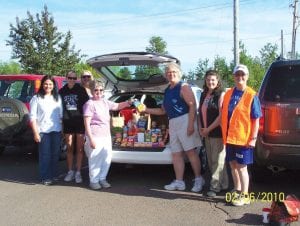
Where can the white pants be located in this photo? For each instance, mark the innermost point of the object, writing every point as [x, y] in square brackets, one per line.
[99, 158]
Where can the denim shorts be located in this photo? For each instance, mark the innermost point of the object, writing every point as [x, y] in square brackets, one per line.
[242, 154]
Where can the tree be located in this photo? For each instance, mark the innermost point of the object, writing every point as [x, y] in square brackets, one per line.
[202, 67]
[40, 48]
[157, 45]
[10, 68]
[268, 54]
[223, 69]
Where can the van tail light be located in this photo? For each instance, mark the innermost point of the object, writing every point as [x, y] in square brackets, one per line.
[262, 121]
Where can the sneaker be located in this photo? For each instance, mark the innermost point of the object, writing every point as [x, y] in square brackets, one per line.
[235, 194]
[70, 176]
[105, 184]
[55, 179]
[198, 184]
[211, 193]
[242, 199]
[95, 186]
[47, 182]
[175, 185]
[78, 178]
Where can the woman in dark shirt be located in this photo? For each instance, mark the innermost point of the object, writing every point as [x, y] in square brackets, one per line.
[209, 126]
[73, 97]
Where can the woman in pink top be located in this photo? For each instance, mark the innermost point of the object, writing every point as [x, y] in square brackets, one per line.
[98, 146]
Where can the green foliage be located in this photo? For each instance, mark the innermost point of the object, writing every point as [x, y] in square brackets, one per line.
[157, 45]
[257, 66]
[40, 48]
[80, 67]
[268, 54]
[202, 67]
[10, 68]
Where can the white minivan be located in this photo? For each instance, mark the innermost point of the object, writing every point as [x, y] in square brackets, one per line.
[138, 75]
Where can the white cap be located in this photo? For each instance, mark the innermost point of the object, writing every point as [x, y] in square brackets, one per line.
[242, 68]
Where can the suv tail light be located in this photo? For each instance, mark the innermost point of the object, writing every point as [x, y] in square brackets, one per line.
[37, 85]
[262, 121]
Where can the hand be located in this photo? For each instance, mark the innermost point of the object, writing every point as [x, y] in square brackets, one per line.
[204, 132]
[37, 138]
[252, 143]
[130, 101]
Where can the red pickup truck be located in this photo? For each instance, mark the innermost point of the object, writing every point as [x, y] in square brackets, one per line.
[16, 92]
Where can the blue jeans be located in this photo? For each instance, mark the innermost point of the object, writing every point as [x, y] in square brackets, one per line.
[49, 149]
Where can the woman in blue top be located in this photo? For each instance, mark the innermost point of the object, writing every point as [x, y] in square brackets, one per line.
[180, 106]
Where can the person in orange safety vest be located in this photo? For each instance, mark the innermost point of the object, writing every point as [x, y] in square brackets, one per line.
[240, 115]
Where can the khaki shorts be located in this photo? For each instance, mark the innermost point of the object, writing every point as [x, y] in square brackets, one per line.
[179, 140]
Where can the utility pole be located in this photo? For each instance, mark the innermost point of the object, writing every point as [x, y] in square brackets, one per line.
[295, 25]
[281, 54]
[236, 45]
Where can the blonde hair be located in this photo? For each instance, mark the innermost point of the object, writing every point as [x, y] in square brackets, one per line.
[175, 67]
[87, 72]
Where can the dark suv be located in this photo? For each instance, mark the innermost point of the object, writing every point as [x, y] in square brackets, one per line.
[278, 143]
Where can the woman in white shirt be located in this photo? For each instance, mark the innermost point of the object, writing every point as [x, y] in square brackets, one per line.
[45, 117]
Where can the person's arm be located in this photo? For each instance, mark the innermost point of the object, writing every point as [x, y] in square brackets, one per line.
[124, 104]
[33, 119]
[255, 115]
[189, 98]
[88, 131]
[35, 131]
[254, 132]
[155, 111]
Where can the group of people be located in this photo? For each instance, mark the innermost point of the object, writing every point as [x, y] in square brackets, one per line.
[81, 114]
[228, 124]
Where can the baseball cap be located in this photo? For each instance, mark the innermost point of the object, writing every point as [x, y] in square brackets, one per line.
[241, 67]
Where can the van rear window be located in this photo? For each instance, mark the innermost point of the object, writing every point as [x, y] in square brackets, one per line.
[283, 84]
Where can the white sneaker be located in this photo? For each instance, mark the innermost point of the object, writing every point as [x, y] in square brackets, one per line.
[95, 186]
[70, 176]
[175, 185]
[198, 184]
[78, 178]
[105, 184]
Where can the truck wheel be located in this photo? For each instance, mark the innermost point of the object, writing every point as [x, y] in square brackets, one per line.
[14, 117]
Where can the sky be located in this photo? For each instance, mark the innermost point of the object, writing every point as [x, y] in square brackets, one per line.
[192, 29]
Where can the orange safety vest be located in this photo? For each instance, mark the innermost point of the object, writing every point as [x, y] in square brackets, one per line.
[239, 128]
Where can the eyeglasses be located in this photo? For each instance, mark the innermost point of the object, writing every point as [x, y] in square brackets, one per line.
[85, 76]
[72, 78]
[101, 90]
[171, 72]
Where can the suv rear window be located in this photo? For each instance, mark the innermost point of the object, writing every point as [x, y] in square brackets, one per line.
[21, 90]
[283, 84]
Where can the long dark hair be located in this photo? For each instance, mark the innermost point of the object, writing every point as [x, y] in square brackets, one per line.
[41, 91]
[219, 87]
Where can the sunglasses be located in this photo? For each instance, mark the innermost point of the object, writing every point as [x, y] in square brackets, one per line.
[72, 78]
[86, 76]
[101, 90]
